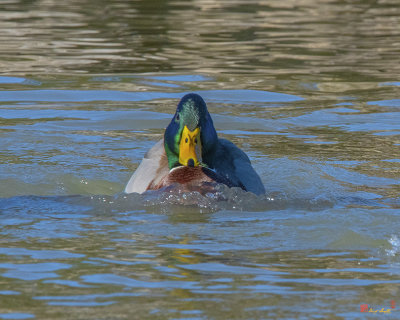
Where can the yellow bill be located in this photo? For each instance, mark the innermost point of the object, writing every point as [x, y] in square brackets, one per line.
[190, 147]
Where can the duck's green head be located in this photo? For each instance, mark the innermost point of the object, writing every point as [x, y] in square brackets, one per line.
[190, 139]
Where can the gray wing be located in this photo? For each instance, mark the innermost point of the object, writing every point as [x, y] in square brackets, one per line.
[152, 169]
[233, 163]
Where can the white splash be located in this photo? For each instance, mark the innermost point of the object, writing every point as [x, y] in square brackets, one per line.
[395, 250]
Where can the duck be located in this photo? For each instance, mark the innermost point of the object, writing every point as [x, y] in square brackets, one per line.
[193, 157]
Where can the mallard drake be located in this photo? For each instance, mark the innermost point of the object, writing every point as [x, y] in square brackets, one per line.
[192, 155]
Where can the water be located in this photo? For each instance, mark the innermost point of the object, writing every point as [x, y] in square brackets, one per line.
[310, 91]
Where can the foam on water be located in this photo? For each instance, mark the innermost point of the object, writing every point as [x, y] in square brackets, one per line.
[222, 199]
[395, 249]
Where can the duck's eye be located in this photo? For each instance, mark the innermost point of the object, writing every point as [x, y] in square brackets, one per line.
[186, 140]
[177, 117]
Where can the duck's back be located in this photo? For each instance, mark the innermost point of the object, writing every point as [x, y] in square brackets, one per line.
[231, 162]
